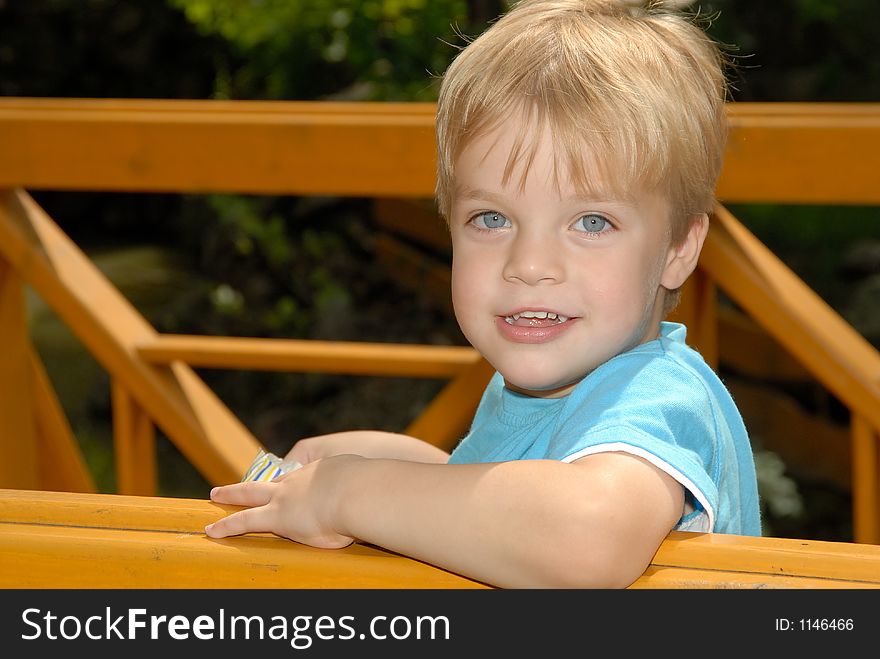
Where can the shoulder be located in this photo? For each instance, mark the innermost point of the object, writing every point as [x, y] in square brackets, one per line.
[662, 388]
[661, 370]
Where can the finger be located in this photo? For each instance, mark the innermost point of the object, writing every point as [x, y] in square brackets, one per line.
[251, 493]
[243, 521]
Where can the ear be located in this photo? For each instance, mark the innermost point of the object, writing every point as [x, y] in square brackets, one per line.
[682, 258]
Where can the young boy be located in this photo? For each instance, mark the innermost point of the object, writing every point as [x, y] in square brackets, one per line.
[579, 146]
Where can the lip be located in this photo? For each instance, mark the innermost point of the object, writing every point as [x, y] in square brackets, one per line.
[518, 334]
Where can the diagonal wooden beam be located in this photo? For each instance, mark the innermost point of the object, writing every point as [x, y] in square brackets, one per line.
[793, 314]
[187, 411]
[61, 464]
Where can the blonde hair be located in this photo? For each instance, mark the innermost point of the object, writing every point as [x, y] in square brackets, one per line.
[633, 96]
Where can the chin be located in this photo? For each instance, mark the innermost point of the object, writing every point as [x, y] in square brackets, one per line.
[539, 387]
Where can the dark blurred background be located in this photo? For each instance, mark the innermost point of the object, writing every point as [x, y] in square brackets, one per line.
[306, 267]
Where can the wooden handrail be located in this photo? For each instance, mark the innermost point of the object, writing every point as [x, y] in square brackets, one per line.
[191, 146]
[777, 152]
[304, 356]
[64, 540]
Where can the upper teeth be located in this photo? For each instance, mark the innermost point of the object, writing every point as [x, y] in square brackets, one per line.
[537, 314]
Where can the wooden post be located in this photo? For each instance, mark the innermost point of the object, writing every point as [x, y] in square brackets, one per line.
[134, 442]
[698, 310]
[866, 481]
[18, 436]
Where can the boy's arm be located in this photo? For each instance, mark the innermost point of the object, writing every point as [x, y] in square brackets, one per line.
[366, 443]
[531, 523]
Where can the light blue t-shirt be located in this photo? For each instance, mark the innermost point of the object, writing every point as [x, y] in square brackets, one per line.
[659, 401]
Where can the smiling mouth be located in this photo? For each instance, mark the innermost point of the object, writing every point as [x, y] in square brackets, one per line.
[535, 319]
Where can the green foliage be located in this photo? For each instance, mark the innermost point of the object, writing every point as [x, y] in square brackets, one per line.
[276, 269]
[364, 49]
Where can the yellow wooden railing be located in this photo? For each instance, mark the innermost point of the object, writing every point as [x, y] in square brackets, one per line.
[785, 153]
[52, 540]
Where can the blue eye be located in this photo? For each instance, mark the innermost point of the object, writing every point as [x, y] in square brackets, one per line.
[592, 223]
[490, 220]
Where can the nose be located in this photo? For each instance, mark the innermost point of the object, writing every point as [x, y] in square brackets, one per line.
[533, 258]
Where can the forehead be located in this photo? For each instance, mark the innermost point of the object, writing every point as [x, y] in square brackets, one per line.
[515, 153]
[518, 162]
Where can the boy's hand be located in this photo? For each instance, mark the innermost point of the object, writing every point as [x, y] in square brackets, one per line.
[297, 505]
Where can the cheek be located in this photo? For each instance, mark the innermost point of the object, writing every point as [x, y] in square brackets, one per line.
[627, 284]
[468, 280]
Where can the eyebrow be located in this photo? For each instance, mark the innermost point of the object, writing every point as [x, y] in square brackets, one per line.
[468, 193]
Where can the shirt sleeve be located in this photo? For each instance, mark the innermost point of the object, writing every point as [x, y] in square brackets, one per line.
[658, 410]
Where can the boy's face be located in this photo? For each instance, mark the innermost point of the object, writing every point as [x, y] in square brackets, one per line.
[548, 284]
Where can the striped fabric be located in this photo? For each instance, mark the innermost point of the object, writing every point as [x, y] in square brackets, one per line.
[268, 466]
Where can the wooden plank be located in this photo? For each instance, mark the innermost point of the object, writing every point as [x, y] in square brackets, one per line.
[802, 109]
[65, 557]
[19, 454]
[189, 413]
[352, 357]
[815, 154]
[199, 147]
[778, 153]
[51, 539]
[111, 541]
[109, 511]
[231, 108]
[667, 577]
[60, 462]
[816, 559]
[68, 557]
